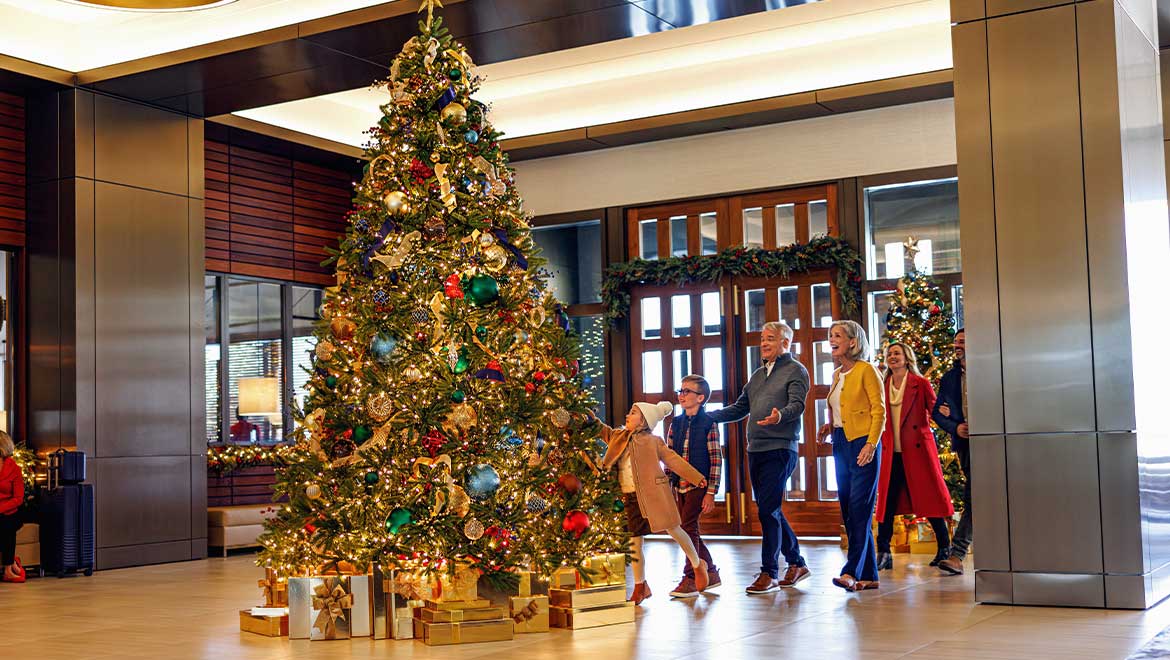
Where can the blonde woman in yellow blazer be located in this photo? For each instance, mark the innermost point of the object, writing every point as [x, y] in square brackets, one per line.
[857, 418]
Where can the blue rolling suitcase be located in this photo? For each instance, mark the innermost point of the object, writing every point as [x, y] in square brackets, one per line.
[67, 529]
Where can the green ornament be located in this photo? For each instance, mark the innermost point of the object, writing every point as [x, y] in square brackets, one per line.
[454, 74]
[398, 518]
[371, 478]
[483, 290]
[462, 364]
[457, 396]
[619, 506]
[481, 332]
[362, 433]
[331, 382]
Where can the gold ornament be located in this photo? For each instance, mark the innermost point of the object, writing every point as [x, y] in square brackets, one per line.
[412, 374]
[454, 111]
[486, 240]
[459, 504]
[473, 529]
[342, 328]
[380, 406]
[560, 418]
[325, 350]
[313, 491]
[461, 418]
[495, 258]
[395, 202]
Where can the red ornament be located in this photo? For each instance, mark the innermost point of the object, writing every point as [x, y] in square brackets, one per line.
[420, 336]
[569, 483]
[529, 387]
[310, 528]
[433, 442]
[934, 309]
[452, 287]
[576, 368]
[538, 376]
[576, 522]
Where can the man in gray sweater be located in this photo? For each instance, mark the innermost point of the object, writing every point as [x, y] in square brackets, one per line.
[773, 400]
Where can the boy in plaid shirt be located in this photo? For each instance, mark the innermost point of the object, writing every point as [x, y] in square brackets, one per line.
[695, 436]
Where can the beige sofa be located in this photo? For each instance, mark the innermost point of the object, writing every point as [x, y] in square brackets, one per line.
[230, 527]
[28, 545]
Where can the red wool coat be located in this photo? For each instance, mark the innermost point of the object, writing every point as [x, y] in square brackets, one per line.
[11, 487]
[926, 491]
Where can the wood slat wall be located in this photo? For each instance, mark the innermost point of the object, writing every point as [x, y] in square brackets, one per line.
[12, 171]
[251, 485]
[271, 216]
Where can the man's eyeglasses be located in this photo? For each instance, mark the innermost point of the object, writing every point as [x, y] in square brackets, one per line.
[686, 391]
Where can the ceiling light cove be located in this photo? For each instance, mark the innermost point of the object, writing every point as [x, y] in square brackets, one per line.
[152, 5]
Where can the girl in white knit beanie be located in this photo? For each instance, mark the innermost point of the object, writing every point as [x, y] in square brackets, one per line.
[649, 499]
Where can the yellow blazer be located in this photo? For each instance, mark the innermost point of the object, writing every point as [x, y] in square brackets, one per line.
[863, 402]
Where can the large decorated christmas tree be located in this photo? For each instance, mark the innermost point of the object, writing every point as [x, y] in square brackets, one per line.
[920, 317]
[445, 419]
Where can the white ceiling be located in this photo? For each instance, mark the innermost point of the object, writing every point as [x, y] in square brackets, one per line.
[76, 38]
[784, 51]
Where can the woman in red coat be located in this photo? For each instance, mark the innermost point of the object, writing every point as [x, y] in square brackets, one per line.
[11, 497]
[911, 479]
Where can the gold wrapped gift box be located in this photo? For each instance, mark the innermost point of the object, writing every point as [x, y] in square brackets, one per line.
[591, 617]
[269, 626]
[518, 584]
[460, 585]
[463, 632]
[530, 614]
[458, 604]
[607, 569]
[588, 596]
[429, 615]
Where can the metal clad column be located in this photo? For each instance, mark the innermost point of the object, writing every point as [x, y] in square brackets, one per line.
[1066, 239]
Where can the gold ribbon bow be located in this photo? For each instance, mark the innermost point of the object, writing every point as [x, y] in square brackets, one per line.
[446, 190]
[396, 256]
[528, 612]
[275, 590]
[450, 494]
[332, 600]
[432, 51]
[410, 586]
[496, 185]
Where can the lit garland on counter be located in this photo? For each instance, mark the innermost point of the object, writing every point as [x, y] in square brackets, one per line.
[226, 459]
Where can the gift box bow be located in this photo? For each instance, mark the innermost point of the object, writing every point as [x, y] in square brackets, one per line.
[408, 585]
[528, 612]
[273, 588]
[332, 599]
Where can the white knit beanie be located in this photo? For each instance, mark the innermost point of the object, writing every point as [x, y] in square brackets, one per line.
[654, 412]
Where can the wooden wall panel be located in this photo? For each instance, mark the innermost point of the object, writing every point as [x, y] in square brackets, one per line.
[272, 216]
[12, 170]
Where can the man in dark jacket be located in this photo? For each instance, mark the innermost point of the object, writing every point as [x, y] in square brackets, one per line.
[773, 400]
[950, 413]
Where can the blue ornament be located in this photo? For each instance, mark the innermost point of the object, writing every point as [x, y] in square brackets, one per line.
[472, 136]
[482, 481]
[381, 297]
[362, 225]
[382, 346]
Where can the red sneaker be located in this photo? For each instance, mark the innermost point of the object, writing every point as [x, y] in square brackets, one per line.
[14, 573]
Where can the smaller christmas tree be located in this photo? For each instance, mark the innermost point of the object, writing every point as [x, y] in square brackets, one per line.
[921, 318]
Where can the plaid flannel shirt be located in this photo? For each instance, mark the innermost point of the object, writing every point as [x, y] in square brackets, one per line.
[714, 450]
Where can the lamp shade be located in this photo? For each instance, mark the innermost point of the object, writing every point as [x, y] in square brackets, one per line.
[259, 396]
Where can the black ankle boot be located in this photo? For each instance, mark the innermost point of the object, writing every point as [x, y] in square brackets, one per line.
[943, 553]
[885, 561]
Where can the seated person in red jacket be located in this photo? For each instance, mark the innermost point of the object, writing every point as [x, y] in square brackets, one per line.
[11, 497]
[241, 431]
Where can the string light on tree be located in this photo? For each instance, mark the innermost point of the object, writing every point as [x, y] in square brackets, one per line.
[439, 325]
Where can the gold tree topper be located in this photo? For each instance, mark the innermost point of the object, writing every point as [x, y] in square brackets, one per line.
[429, 5]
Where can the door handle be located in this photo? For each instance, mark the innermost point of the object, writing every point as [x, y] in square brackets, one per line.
[735, 298]
[742, 508]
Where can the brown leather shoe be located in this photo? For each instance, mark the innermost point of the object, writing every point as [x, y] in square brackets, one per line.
[793, 575]
[846, 582]
[715, 580]
[764, 584]
[641, 593]
[952, 565]
[862, 585]
[685, 589]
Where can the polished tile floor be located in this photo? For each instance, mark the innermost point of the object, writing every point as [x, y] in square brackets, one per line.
[189, 610]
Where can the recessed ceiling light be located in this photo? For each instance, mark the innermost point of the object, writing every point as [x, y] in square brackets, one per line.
[151, 5]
